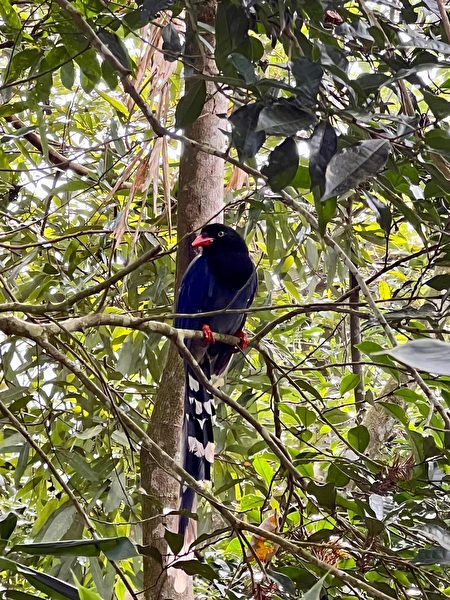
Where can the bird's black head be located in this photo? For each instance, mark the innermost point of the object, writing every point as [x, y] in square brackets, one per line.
[218, 238]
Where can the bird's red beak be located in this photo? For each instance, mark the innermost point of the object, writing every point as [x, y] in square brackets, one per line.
[201, 240]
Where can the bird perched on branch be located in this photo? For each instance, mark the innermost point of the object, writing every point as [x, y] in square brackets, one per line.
[222, 277]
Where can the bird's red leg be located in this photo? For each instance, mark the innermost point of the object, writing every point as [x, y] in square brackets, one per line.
[208, 335]
[244, 339]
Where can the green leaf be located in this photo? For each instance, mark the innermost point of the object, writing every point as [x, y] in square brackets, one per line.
[322, 148]
[263, 468]
[175, 541]
[283, 580]
[7, 526]
[382, 212]
[284, 117]
[195, 567]
[308, 76]
[172, 44]
[431, 356]
[245, 138]
[359, 437]
[324, 493]
[243, 66]
[355, 165]
[231, 31]
[89, 65]
[282, 166]
[439, 282]
[118, 548]
[349, 382]
[315, 593]
[55, 588]
[190, 106]
[68, 75]
[116, 47]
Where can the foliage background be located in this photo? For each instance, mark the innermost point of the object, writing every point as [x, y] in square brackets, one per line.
[88, 183]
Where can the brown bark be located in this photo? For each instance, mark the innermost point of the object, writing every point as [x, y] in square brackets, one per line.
[200, 199]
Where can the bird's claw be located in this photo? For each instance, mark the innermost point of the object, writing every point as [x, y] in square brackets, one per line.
[243, 340]
[208, 335]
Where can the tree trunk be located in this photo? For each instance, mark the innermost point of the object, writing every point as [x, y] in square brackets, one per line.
[200, 199]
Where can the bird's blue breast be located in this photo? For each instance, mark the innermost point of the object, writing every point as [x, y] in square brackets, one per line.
[202, 291]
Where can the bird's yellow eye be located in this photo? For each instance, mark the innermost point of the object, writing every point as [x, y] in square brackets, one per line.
[221, 233]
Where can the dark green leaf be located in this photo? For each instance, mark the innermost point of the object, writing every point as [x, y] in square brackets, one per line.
[174, 540]
[308, 76]
[55, 588]
[282, 166]
[7, 526]
[231, 32]
[172, 43]
[324, 493]
[118, 548]
[190, 106]
[315, 593]
[243, 66]
[116, 47]
[284, 117]
[89, 65]
[439, 282]
[283, 580]
[354, 165]
[382, 212]
[195, 567]
[323, 146]
[349, 382]
[68, 75]
[245, 139]
[439, 106]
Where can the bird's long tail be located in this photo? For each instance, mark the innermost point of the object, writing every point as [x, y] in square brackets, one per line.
[198, 456]
[198, 444]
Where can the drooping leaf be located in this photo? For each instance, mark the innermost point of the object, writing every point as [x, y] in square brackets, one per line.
[354, 165]
[116, 47]
[382, 212]
[172, 42]
[431, 356]
[174, 540]
[438, 534]
[190, 106]
[322, 147]
[308, 76]
[7, 526]
[195, 567]
[231, 32]
[324, 493]
[282, 166]
[440, 107]
[243, 66]
[349, 382]
[284, 117]
[439, 282]
[55, 588]
[246, 139]
[315, 593]
[283, 580]
[118, 548]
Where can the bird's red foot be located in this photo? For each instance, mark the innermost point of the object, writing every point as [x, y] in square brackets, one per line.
[208, 335]
[243, 340]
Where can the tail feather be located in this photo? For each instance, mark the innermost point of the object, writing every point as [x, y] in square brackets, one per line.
[198, 438]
